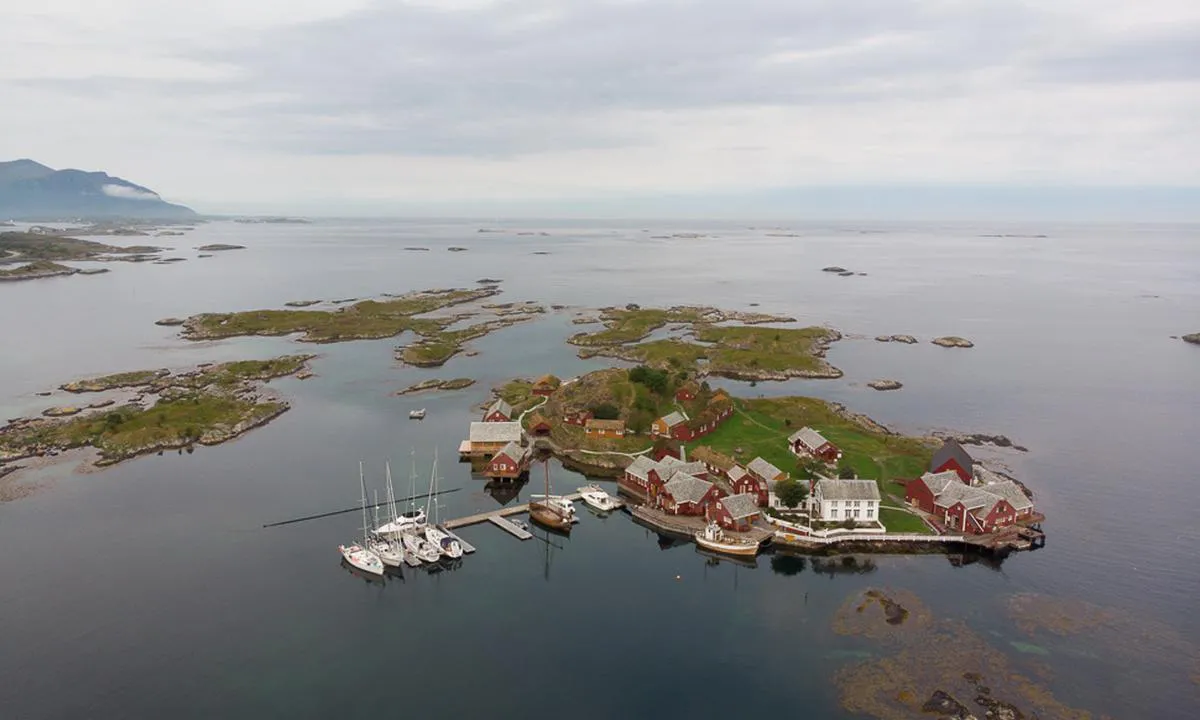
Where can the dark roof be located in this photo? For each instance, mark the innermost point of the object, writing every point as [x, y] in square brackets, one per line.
[951, 450]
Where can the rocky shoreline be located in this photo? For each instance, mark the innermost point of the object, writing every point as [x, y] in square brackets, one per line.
[437, 384]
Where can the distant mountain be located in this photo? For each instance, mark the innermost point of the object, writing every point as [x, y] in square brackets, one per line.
[31, 190]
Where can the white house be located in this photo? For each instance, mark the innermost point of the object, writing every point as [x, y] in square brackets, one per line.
[838, 500]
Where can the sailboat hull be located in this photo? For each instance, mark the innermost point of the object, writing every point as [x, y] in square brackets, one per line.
[549, 518]
[362, 559]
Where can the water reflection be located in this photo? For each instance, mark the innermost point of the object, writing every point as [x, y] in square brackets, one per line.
[504, 491]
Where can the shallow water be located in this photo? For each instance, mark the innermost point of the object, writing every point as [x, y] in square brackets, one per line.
[151, 588]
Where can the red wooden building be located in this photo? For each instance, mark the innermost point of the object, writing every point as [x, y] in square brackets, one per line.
[748, 484]
[545, 385]
[807, 442]
[952, 456]
[509, 463]
[578, 418]
[968, 508]
[673, 426]
[499, 411]
[687, 392]
[686, 495]
[734, 512]
[539, 425]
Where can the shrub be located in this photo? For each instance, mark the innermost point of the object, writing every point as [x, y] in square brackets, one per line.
[605, 411]
[845, 472]
[791, 492]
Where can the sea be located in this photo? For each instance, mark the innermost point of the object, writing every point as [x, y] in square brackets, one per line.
[152, 589]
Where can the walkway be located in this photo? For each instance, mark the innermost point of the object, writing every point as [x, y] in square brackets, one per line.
[499, 512]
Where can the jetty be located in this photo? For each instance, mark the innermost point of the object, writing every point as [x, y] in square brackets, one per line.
[499, 514]
[506, 525]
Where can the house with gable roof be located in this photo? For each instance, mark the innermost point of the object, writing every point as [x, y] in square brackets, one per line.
[807, 442]
[499, 411]
[952, 456]
[838, 500]
[734, 512]
[673, 425]
[687, 494]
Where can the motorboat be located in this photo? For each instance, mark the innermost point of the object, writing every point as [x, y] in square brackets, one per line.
[407, 522]
[713, 538]
[416, 414]
[597, 499]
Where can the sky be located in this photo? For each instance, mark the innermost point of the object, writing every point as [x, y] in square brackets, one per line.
[773, 108]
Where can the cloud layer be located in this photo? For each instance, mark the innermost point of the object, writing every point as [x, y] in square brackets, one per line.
[521, 99]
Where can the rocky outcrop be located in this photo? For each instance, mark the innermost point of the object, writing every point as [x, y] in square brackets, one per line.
[981, 439]
[301, 303]
[834, 269]
[885, 384]
[437, 384]
[218, 247]
[906, 339]
[63, 411]
[169, 322]
[953, 341]
[1193, 338]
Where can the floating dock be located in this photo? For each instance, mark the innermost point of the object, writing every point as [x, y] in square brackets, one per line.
[504, 524]
[467, 547]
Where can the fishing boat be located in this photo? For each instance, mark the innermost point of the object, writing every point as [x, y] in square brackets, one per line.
[356, 554]
[416, 414]
[597, 499]
[553, 512]
[446, 543]
[713, 538]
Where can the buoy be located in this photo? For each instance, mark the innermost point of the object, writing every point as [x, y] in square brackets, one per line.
[678, 577]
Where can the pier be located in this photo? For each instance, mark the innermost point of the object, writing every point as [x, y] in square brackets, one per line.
[493, 516]
[506, 525]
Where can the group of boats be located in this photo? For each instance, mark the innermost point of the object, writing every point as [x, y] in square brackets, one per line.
[403, 538]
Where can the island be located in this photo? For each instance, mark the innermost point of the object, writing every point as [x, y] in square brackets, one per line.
[415, 312]
[885, 384]
[953, 341]
[206, 406]
[905, 339]
[40, 254]
[799, 472]
[219, 247]
[437, 384]
[35, 270]
[1193, 338]
[742, 352]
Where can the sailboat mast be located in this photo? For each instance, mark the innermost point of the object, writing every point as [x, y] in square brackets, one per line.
[391, 490]
[412, 479]
[362, 483]
[432, 479]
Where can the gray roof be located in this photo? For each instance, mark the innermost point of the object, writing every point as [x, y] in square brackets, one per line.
[736, 472]
[641, 467]
[687, 488]
[848, 489]
[495, 432]
[951, 450]
[972, 498]
[514, 451]
[1011, 492]
[670, 465]
[740, 506]
[810, 438]
[674, 419]
[502, 406]
[937, 482]
[763, 469]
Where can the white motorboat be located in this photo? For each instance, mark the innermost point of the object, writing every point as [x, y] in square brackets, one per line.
[358, 555]
[421, 548]
[416, 414]
[598, 499]
[713, 538]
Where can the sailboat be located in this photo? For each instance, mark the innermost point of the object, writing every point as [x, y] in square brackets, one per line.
[553, 512]
[390, 552]
[402, 522]
[446, 543]
[355, 553]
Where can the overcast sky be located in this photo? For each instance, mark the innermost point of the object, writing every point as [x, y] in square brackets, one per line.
[354, 106]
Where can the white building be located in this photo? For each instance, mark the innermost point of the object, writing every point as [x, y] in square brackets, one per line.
[839, 500]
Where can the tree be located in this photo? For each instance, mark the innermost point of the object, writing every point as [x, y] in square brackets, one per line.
[848, 523]
[845, 472]
[639, 421]
[791, 492]
[605, 411]
[807, 468]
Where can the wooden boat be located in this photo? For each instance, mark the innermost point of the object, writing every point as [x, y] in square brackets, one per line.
[713, 538]
[552, 511]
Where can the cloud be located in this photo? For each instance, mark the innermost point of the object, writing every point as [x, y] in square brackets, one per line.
[433, 101]
[128, 192]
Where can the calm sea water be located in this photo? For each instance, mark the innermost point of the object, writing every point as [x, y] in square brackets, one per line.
[152, 590]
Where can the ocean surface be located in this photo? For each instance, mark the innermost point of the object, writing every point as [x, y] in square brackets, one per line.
[152, 589]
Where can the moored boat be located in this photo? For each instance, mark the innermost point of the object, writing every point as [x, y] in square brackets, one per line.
[420, 548]
[713, 538]
[552, 511]
[598, 499]
[416, 414]
[357, 555]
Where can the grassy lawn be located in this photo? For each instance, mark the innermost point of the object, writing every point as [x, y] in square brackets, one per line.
[900, 521]
[761, 427]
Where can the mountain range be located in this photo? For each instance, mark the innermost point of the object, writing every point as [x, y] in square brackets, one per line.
[30, 190]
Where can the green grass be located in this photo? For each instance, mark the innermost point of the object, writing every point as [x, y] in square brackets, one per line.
[135, 378]
[622, 326]
[35, 246]
[38, 267]
[367, 319]
[899, 521]
[761, 428]
[130, 430]
[436, 348]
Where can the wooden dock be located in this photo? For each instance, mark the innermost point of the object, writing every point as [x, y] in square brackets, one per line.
[467, 547]
[492, 516]
[507, 525]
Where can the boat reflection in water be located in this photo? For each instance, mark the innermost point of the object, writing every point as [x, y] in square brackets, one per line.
[369, 578]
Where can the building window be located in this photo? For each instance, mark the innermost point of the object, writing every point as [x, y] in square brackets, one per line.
[870, 513]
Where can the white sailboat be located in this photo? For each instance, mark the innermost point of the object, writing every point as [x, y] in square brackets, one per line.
[598, 499]
[355, 553]
[446, 543]
[401, 523]
[389, 551]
